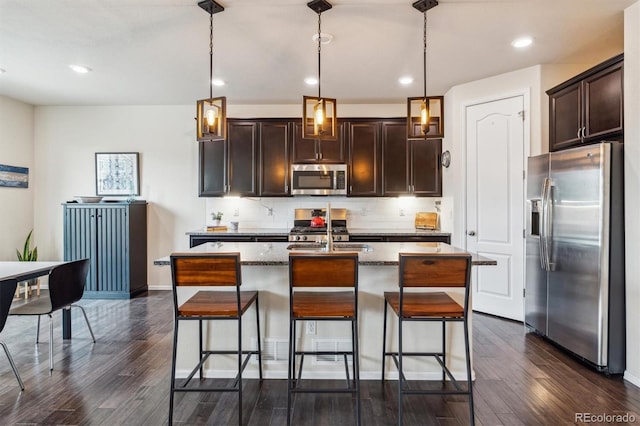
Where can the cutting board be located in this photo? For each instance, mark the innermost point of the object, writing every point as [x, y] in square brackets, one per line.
[426, 220]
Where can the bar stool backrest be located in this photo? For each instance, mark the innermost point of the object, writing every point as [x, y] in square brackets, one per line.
[323, 269]
[434, 270]
[206, 269]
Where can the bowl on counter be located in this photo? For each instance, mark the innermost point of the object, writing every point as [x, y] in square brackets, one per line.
[87, 199]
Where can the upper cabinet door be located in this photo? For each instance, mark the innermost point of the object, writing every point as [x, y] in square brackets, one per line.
[274, 158]
[395, 152]
[565, 119]
[425, 167]
[603, 101]
[242, 155]
[364, 158]
[213, 165]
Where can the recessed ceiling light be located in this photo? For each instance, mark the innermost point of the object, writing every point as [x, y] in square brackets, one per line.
[406, 80]
[311, 81]
[80, 69]
[217, 82]
[522, 42]
[325, 38]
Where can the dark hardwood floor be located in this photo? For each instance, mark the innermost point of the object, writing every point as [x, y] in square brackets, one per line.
[123, 379]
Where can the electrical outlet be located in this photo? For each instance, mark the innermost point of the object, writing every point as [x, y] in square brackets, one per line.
[401, 212]
[363, 211]
[236, 212]
[311, 327]
[269, 211]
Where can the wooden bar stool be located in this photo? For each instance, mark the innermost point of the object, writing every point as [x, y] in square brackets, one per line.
[420, 270]
[216, 270]
[323, 271]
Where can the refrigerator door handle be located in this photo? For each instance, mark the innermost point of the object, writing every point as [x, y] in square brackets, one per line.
[544, 231]
[547, 224]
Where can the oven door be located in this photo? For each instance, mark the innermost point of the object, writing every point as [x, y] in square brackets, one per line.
[313, 179]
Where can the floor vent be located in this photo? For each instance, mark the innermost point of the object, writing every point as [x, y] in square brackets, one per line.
[331, 345]
[274, 351]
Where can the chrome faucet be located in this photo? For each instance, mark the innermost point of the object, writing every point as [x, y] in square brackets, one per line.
[327, 220]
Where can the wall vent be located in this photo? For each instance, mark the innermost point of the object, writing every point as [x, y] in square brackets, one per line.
[331, 345]
[274, 350]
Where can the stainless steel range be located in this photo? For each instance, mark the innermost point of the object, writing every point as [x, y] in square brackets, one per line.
[310, 225]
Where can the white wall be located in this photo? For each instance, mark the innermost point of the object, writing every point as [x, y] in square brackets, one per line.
[632, 186]
[16, 149]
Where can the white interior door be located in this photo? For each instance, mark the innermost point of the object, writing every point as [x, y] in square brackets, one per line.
[495, 202]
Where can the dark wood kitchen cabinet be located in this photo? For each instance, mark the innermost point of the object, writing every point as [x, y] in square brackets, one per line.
[364, 153]
[587, 108]
[113, 236]
[230, 167]
[316, 151]
[274, 158]
[409, 166]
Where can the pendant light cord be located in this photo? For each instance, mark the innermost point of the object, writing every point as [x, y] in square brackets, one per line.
[211, 55]
[319, 49]
[424, 59]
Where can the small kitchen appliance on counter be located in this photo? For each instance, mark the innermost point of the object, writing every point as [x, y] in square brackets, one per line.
[310, 225]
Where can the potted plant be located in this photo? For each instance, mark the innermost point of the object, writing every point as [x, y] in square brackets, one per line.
[29, 255]
[217, 217]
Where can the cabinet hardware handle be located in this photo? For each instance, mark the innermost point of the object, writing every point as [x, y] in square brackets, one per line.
[578, 132]
[584, 132]
[471, 233]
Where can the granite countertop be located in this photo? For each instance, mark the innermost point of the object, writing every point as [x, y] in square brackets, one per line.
[243, 231]
[375, 254]
[352, 231]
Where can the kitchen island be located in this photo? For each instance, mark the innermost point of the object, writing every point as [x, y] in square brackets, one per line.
[265, 268]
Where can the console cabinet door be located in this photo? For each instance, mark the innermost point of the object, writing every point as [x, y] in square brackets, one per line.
[603, 103]
[565, 121]
[274, 158]
[316, 151]
[364, 158]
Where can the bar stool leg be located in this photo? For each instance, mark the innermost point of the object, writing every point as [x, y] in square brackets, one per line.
[356, 367]
[384, 340]
[472, 420]
[400, 374]
[173, 370]
[259, 344]
[291, 370]
[200, 347]
[239, 369]
[444, 347]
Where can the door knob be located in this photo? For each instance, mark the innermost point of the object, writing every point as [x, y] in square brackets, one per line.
[471, 233]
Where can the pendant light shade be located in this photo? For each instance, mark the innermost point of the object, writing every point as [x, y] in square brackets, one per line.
[319, 117]
[211, 117]
[425, 114]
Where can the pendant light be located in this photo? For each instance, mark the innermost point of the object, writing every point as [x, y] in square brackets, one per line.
[425, 114]
[212, 112]
[318, 113]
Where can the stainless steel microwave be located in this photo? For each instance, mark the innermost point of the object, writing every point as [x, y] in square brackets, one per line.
[318, 179]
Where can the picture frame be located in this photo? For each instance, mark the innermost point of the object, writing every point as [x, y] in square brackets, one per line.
[117, 174]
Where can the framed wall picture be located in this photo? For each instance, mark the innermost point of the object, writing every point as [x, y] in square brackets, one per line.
[117, 173]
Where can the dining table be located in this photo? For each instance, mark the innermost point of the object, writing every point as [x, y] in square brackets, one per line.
[23, 271]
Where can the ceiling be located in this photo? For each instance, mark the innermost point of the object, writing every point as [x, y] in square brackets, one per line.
[156, 52]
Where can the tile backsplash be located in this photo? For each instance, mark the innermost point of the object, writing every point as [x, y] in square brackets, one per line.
[373, 213]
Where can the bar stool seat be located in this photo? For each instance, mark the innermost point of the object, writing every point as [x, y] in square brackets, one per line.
[329, 275]
[418, 270]
[308, 304]
[211, 270]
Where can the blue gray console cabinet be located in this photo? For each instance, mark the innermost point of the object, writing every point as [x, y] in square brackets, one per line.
[114, 237]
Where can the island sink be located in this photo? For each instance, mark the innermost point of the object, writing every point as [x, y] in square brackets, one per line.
[335, 247]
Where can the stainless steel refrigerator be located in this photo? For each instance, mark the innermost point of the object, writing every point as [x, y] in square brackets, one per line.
[574, 291]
